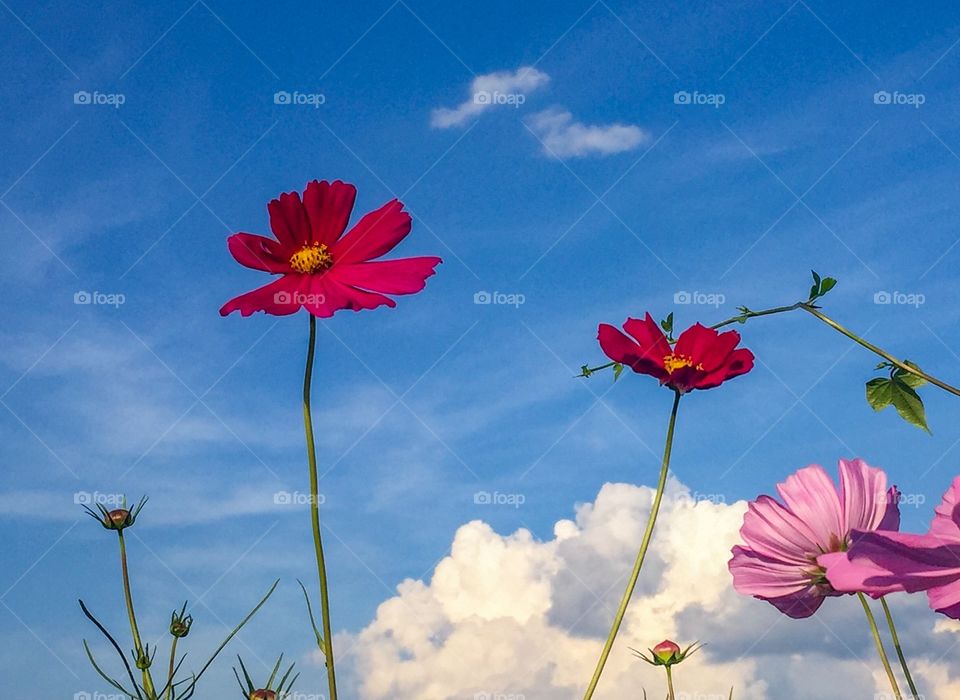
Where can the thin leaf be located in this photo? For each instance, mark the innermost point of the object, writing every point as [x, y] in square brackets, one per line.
[189, 692]
[116, 646]
[103, 675]
[617, 370]
[313, 621]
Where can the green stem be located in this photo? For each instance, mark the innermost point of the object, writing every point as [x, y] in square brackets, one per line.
[896, 645]
[883, 654]
[173, 658]
[315, 514]
[670, 695]
[135, 631]
[645, 543]
[900, 364]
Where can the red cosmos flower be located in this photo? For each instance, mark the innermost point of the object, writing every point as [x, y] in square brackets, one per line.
[701, 359]
[321, 269]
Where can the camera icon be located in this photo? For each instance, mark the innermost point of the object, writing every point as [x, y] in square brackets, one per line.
[482, 696]
[282, 298]
[682, 297]
[882, 298]
[82, 97]
[882, 97]
[482, 298]
[282, 97]
[83, 498]
[82, 695]
[282, 498]
[482, 498]
[82, 298]
[482, 97]
[681, 97]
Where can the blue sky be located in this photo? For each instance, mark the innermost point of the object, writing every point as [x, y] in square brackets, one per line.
[420, 407]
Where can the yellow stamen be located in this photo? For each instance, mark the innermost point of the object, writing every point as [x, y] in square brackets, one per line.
[674, 362]
[311, 258]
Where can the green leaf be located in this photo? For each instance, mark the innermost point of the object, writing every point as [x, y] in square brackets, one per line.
[879, 393]
[826, 285]
[667, 323]
[911, 380]
[909, 405]
[617, 369]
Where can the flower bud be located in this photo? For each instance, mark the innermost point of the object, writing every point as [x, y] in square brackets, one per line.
[667, 652]
[263, 695]
[117, 519]
[180, 622]
[143, 660]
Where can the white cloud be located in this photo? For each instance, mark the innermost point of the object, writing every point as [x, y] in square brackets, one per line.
[563, 137]
[501, 88]
[511, 616]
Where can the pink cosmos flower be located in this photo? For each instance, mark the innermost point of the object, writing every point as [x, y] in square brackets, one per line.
[881, 563]
[322, 269]
[778, 561]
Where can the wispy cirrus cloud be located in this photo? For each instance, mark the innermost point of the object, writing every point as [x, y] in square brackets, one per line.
[500, 88]
[564, 137]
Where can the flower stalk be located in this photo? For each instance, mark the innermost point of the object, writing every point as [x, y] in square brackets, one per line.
[876, 638]
[326, 643]
[896, 645]
[139, 651]
[644, 545]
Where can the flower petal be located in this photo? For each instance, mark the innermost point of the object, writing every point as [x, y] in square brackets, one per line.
[774, 531]
[619, 348]
[403, 276]
[779, 583]
[738, 362]
[864, 496]
[649, 336]
[327, 296]
[279, 298]
[810, 494]
[375, 234]
[946, 522]
[705, 346]
[328, 207]
[258, 252]
[288, 220]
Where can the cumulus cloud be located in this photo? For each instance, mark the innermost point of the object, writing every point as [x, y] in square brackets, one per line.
[512, 616]
[496, 89]
[564, 137]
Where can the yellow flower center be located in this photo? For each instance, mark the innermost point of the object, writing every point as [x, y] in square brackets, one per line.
[673, 362]
[311, 258]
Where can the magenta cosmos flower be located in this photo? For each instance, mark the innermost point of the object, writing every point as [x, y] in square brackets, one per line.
[322, 269]
[778, 561]
[880, 563]
[701, 359]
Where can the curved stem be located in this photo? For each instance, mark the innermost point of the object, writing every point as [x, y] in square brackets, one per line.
[883, 654]
[315, 514]
[896, 645]
[135, 631]
[900, 364]
[670, 695]
[644, 544]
